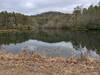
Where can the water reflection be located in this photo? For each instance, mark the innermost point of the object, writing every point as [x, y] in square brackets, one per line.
[64, 49]
[90, 39]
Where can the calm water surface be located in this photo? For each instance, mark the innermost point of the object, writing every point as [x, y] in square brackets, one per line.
[90, 39]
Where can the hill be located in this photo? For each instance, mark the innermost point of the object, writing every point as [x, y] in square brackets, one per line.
[81, 19]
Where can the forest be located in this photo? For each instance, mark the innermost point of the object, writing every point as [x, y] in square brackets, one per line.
[80, 19]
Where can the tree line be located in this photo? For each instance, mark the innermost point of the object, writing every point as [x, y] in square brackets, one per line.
[80, 19]
[88, 18]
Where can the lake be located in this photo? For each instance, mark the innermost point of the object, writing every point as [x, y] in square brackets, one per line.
[90, 39]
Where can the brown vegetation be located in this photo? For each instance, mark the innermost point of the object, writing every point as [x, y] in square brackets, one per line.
[26, 63]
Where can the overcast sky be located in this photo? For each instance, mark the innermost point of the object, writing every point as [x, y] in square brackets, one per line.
[32, 7]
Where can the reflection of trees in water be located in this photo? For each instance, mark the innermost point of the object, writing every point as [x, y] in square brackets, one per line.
[90, 39]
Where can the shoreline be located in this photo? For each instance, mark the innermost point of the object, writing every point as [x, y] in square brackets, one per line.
[9, 30]
[24, 64]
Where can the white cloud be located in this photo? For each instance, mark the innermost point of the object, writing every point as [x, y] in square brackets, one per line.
[38, 6]
[28, 5]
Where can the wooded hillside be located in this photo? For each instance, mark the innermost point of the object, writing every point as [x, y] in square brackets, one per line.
[81, 19]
